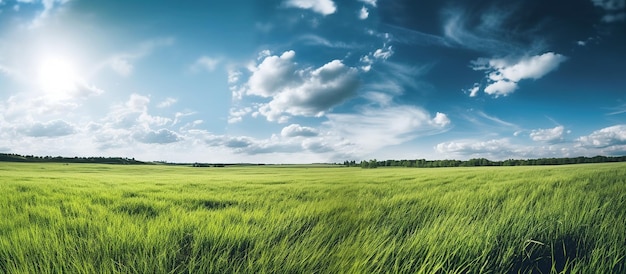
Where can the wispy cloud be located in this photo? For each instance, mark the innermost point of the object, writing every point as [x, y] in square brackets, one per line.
[413, 37]
[375, 128]
[123, 63]
[316, 40]
[615, 10]
[617, 110]
[49, 7]
[167, 102]
[205, 63]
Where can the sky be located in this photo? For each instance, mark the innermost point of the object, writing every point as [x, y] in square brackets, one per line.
[310, 81]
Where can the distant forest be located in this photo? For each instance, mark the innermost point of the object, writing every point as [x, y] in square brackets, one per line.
[423, 163]
[4, 157]
[419, 163]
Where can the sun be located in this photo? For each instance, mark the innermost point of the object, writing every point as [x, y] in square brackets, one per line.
[57, 76]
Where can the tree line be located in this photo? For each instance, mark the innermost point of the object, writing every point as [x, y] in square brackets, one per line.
[423, 163]
[8, 157]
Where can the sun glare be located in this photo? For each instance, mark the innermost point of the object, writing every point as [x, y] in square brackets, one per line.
[57, 77]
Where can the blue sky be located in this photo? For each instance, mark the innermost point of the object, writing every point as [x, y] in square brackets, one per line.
[302, 81]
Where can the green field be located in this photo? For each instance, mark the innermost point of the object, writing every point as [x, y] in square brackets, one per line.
[84, 218]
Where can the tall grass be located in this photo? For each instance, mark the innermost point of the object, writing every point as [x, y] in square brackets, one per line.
[157, 219]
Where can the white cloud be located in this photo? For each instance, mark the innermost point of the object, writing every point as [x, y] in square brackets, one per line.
[295, 130]
[233, 76]
[236, 115]
[383, 53]
[161, 136]
[54, 128]
[441, 119]
[605, 138]
[167, 102]
[503, 75]
[549, 135]
[369, 2]
[81, 89]
[474, 90]
[374, 128]
[495, 148]
[501, 88]
[363, 13]
[121, 65]
[299, 92]
[324, 7]
[380, 54]
[272, 75]
[206, 63]
[317, 92]
[138, 103]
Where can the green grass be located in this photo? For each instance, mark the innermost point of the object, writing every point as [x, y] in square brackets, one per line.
[85, 218]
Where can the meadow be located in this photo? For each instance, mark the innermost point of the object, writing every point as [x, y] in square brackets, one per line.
[96, 218]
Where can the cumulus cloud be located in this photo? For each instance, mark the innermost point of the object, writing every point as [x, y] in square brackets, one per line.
[273, 74]
[252, 146]
[323, 7]
[503, 75]
[374, 128]
[441, 119]
[161, 136]
[549, 135]
[495, 148]
[53, 128]
[137, 103]
[295, 130]
[299, 92]
[363, 13]
[131, 121]
[605, 138]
